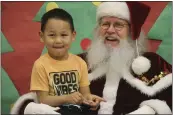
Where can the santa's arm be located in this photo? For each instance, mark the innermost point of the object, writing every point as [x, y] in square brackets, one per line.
[159, 106]
[153, 106]
[144, 109]
[161, 101]
[28, 104]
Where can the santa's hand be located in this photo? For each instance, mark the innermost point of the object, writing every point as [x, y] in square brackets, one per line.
[94, 101]
[144, 110]
[35, 108]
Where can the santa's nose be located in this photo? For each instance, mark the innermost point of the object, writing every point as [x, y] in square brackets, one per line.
[111, 30]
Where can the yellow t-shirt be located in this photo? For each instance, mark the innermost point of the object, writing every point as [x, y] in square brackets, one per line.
[59, 77]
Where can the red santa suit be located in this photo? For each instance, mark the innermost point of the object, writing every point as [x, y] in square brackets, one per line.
[129, 92]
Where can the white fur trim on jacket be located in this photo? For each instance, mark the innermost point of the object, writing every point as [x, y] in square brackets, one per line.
[159, 106]
[109, 92]
[161, 85]
[144, 110]
[117, 9]
[21, 100]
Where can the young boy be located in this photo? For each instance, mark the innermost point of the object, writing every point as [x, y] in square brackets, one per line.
[59, 77]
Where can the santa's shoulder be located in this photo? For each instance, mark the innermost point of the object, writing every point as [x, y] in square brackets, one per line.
[151, 68]
[152, 56]
[83, 56]
[158, 64]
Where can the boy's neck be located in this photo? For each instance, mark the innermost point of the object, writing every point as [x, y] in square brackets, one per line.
[63, 58]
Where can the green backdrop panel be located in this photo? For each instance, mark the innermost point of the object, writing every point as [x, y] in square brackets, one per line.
[5, 46]
[9, 93]
[162, 30]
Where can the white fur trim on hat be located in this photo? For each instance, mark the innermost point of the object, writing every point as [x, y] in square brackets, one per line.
[141, 65]
[117, 9]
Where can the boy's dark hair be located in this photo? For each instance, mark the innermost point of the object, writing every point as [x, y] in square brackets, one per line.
[57, 13]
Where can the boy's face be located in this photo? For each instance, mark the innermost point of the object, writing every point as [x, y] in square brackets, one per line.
[57, 37]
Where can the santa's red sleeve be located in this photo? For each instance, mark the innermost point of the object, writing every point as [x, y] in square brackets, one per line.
[160, 97]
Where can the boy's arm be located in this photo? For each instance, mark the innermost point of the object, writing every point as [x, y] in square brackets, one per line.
[74, 98]
[92, 100]
[85, 91]
[55, 101]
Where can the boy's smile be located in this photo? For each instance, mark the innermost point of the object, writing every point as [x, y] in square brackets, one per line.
[58, 47]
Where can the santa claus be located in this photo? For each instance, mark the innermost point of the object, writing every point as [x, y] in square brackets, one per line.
[129, 78]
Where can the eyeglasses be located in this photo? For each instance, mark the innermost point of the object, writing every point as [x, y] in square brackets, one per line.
[117, 25]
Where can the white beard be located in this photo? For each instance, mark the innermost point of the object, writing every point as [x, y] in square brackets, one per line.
[121, 57]
[97, 53]
[111, 61]
[116, 58]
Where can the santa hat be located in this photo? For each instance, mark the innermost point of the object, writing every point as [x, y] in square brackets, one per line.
[135, 13]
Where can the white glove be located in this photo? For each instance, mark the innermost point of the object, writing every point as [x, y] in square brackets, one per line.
[35, 108]
[144, 110]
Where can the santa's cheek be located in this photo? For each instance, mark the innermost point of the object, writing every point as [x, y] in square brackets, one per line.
[123, 35]
[102, 32]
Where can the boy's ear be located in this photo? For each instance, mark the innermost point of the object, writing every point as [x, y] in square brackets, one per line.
[74, 35]
[41, 36]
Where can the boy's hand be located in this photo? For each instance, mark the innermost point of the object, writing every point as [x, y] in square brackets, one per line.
[75, 98]
[93, 101]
